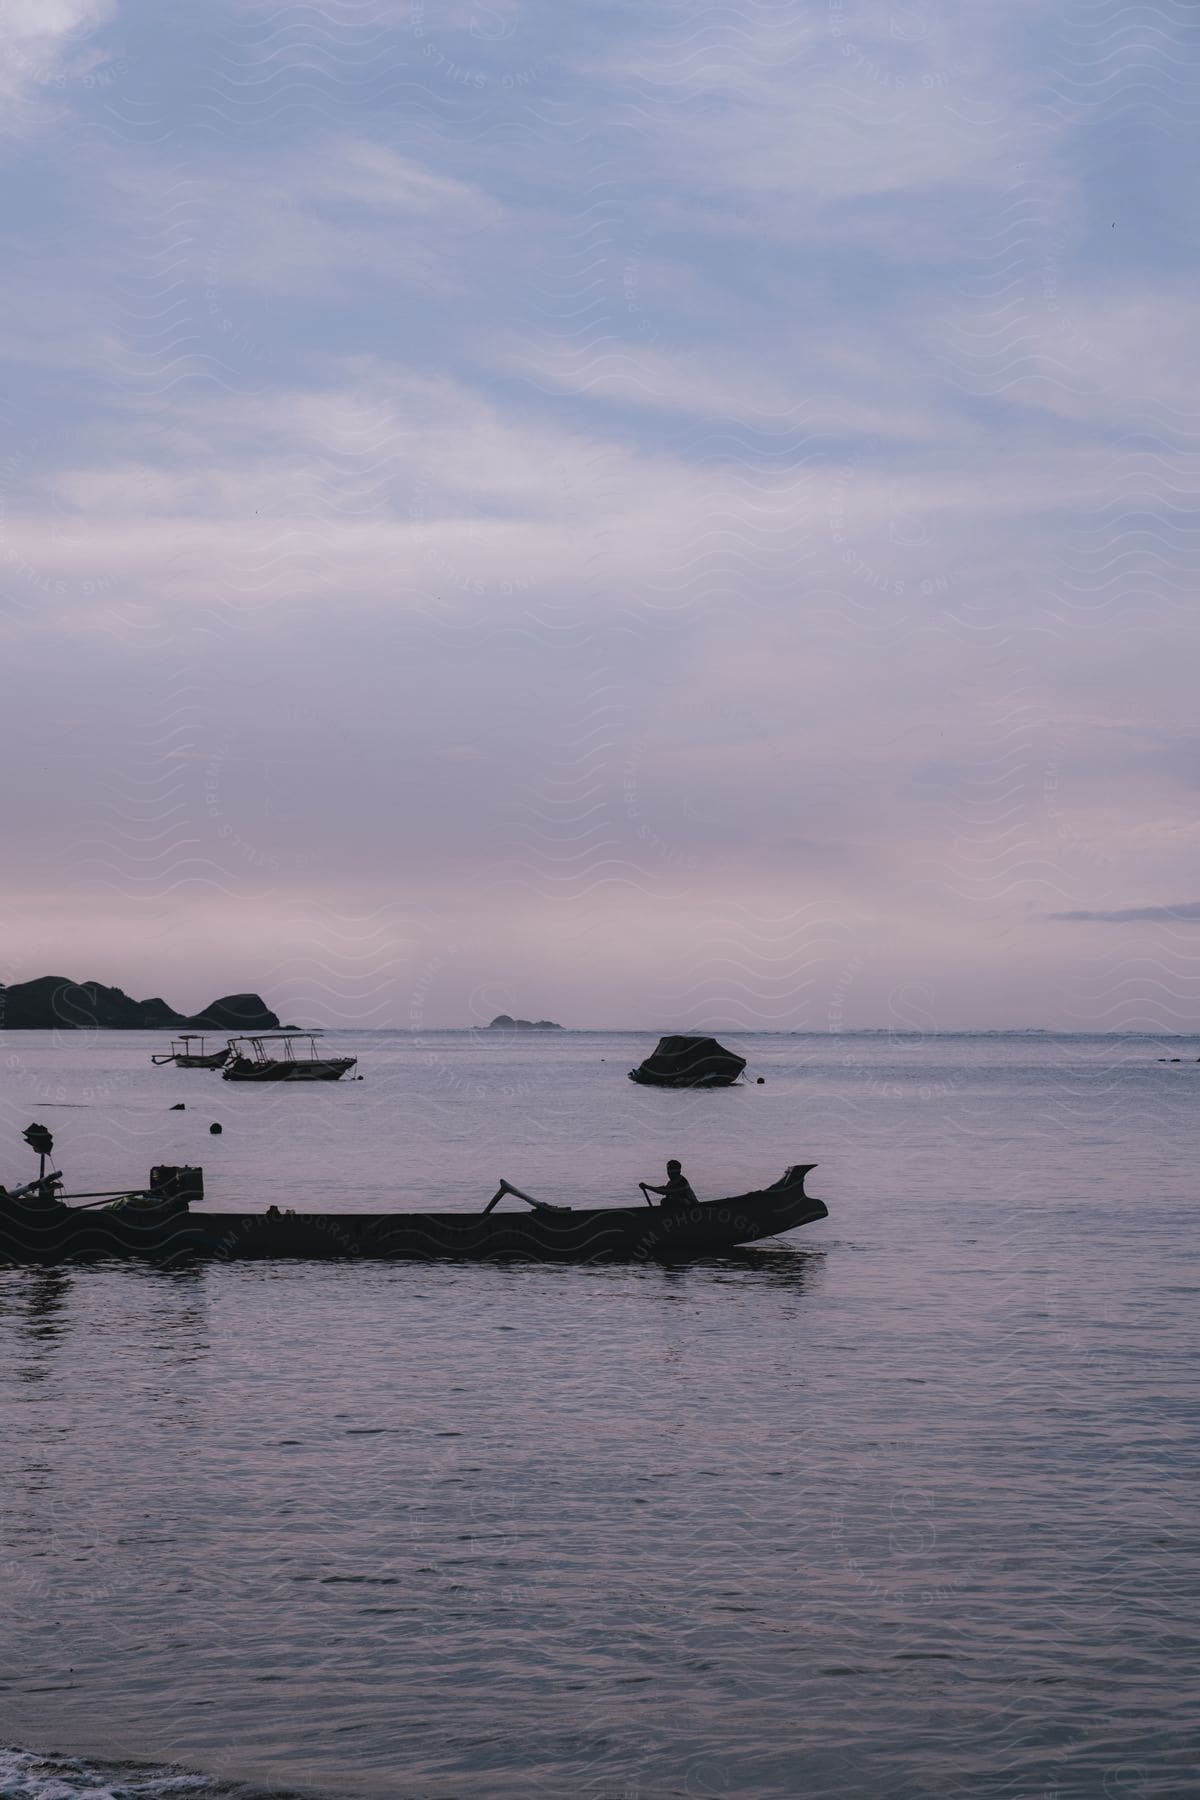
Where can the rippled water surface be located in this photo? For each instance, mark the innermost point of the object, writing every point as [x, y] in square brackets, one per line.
[903, 1505]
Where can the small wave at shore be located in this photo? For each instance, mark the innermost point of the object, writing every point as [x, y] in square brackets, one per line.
[28, 1775]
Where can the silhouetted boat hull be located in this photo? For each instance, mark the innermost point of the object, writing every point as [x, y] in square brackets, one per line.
[187, 1058]
[43, 1234]
[646, 1078]
[325, 1069]
[256, 1062]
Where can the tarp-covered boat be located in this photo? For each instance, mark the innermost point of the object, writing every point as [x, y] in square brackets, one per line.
[686, 1061]
[163, 1226]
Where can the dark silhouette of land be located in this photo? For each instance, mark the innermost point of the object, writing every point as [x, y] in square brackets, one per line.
[502, 1022]
[55, 1003]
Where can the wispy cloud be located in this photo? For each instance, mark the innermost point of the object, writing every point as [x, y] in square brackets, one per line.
[44, 48]
[1168, 915]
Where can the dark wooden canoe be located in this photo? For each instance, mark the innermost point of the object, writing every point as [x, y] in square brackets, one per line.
[170, 1231]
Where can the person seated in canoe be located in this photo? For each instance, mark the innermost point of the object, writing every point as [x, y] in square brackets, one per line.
[678, 1191]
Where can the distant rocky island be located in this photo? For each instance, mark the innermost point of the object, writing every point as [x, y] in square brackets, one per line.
[53, 1003]
[502, 1022]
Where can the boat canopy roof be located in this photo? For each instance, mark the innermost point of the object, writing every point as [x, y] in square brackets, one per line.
[274, 1037]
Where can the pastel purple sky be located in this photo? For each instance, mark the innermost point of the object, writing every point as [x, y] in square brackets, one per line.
[642, 514]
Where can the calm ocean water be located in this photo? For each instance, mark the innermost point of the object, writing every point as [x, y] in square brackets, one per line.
[903, 1505]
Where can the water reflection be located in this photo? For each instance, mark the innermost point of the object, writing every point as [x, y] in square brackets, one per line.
[797, 1270]
[179, 1299]
[35, 1301]
[104, 1372]
[44, 1309]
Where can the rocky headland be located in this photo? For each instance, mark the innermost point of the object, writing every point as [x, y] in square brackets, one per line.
[55, 1003]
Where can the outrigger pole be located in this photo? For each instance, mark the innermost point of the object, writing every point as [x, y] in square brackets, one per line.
[506, 1187]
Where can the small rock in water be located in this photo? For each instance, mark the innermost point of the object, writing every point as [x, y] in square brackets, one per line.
[179, 1107]
[214, 1130]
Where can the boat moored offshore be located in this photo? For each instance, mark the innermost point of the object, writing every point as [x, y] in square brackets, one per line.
[185, 1057]
[283, 1056]
[686, 1060]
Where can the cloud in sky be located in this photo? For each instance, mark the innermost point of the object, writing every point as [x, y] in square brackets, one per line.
[1188, 909]
[641, 511]
[44, 47]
